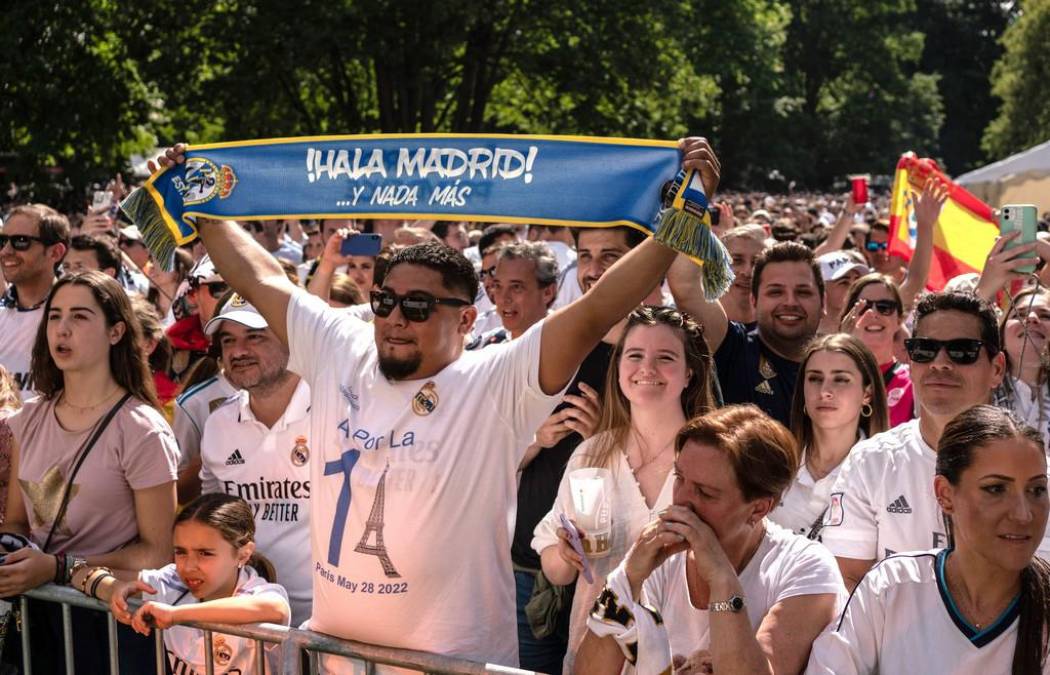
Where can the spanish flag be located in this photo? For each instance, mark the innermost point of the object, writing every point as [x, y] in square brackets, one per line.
[964, 234]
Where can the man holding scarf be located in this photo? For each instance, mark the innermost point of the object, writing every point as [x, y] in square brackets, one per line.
[417, 443]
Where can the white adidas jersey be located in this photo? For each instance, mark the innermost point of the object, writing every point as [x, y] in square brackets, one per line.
[18, 328]
[902, 619]
[269, 469]
[413, 487]
[883, 502]
[192, 409]
[185, 646]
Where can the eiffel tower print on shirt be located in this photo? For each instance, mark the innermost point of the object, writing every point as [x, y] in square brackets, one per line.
[375, 524]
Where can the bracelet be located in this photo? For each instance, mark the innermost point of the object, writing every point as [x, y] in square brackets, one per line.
[98, 580]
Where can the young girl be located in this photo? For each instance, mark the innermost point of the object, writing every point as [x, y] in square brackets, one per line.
[211, 580]
[659, 378]
[839, 400]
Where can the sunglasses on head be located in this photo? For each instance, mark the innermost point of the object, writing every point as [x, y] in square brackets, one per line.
[883, 307]
[876, 245]
[20, 242]
[962, 351]
[415, 305]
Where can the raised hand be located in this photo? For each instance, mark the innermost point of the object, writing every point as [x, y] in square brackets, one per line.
[697, 154]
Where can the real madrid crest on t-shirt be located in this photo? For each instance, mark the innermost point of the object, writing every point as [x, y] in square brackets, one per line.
[765, 369]
[426, 399]
[300, 453]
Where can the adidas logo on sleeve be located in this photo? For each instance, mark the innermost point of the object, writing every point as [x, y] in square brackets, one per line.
[235, 458]
[899, 505]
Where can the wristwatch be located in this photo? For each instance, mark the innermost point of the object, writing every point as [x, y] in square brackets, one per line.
[733, 604]
[73, 565]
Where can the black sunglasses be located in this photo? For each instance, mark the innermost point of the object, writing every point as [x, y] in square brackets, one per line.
[962, 351]
[883, 307]
[416, 306]
[20, 242]
[253, 226]
[876, 245]
[487, 272]
[216, 288]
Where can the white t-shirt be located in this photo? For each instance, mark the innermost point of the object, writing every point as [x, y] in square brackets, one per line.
[268, 468]
[805, 501]
[882, 501]
[563, 253]
[631, 515]
[18, 327]
[413, 487]
[784, 566]
[568, 288]
[192, 409]
[185, 646]
[902, 619]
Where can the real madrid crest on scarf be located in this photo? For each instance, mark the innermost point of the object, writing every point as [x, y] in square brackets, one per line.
[767, 372]
[300, 453]
[426, 399]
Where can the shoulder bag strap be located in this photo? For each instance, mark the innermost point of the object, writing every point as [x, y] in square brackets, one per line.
[81, 456]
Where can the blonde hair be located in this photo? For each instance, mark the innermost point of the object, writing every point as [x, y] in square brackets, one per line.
[696, 398]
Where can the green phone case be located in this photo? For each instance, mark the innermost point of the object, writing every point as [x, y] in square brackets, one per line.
[1023, 217]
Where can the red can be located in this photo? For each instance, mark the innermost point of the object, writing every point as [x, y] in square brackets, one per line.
[860, 188]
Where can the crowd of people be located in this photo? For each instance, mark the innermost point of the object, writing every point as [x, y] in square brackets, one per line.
[532, 446]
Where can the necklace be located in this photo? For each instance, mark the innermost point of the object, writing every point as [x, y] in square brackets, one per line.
[650, 460]
[84, 409]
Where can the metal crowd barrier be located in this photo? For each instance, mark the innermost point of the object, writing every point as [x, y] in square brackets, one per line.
[293, 643]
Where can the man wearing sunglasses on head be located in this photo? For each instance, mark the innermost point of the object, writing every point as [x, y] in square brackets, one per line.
[883, 501]
[33, 241]
[417, 443]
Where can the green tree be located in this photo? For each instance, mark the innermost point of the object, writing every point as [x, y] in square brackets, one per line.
[962, 46]
[72, 104]
[1021, 78]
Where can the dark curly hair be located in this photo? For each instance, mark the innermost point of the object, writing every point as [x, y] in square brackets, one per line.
[457, 273]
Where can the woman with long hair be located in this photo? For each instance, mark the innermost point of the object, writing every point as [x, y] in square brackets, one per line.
[660, 376]
[982, 604]
[874, 313]
[94, 458]
[839, 400]
[1024, 331]
[711, 585]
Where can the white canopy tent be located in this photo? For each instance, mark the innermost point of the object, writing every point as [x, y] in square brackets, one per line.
[1023, 178]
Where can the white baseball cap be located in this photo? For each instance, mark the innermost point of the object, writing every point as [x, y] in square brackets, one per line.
[837, 264]
[204, 271]
[239, 311]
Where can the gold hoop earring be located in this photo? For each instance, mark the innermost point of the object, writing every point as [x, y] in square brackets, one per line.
[866, 413]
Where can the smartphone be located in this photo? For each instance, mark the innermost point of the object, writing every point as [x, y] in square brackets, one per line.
[715, 214]
[362, 244]
[101, 200]
[577, 545]
[1021, 218]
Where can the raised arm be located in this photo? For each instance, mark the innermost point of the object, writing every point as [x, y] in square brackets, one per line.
[837, 236]
[687, 287]
[249, 268]
[571, 333]
[927, 211]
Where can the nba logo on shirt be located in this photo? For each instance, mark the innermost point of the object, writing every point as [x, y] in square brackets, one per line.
[835, 512]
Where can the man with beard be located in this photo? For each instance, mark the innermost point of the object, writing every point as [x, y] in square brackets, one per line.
[760, 366]
[417, 443]
[882, 501]
[256, 446]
